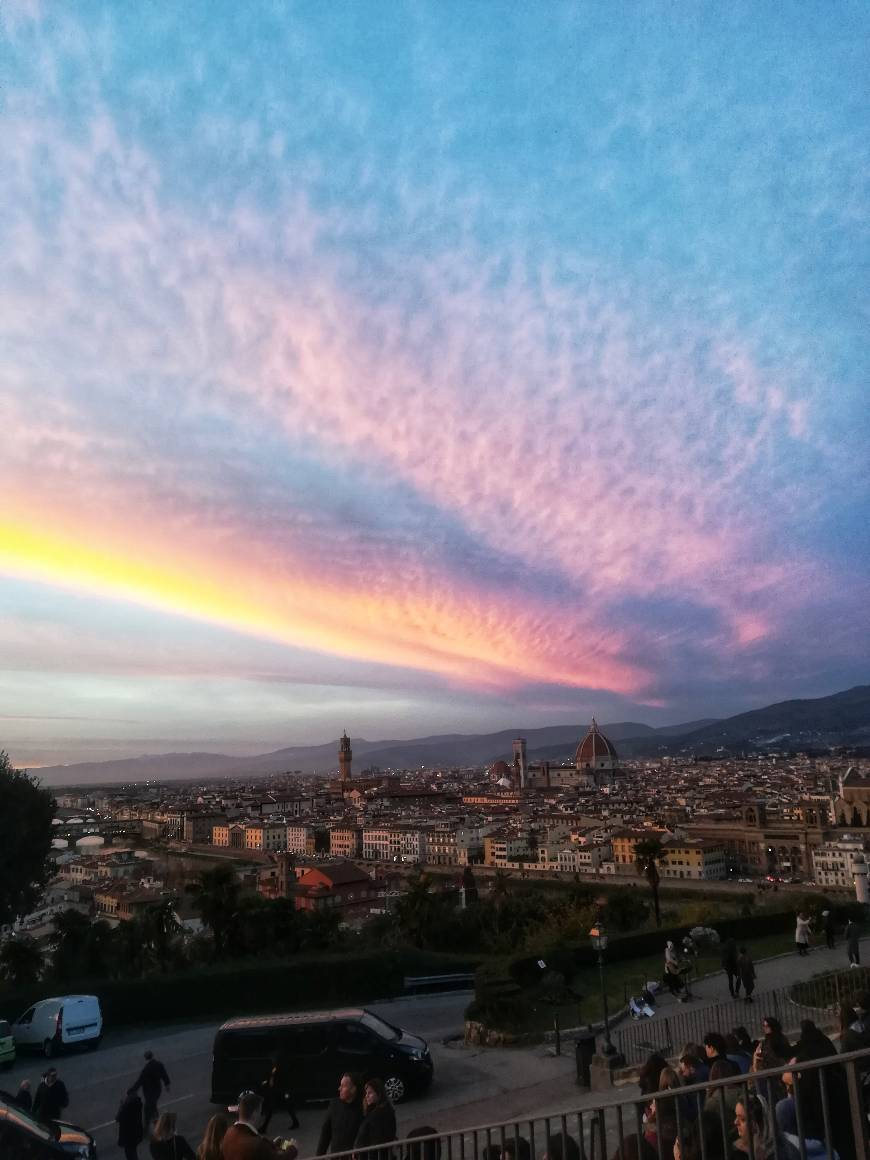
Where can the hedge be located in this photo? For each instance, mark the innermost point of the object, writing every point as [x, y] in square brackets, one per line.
[247, 987]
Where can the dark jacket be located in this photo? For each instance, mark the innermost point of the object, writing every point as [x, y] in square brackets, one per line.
[746, 971]
[24, 1099]
[340, 1127]
[378, 1126]
[129, 1121]
[50, 1100]
[175, 1149]
[152, 1079]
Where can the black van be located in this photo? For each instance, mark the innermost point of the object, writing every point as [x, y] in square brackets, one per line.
[315, 1049]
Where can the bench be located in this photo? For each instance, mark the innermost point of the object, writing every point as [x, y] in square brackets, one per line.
[459, 981]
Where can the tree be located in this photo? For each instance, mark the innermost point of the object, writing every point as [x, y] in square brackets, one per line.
[21, 961]
[216, 895]
[70, 944]
[417, 907]
[469, 885]
[648, 856]
[26, 813]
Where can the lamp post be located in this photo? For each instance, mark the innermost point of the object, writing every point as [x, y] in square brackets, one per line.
[598, 938]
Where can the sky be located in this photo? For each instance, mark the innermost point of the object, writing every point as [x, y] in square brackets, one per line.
[413, 368]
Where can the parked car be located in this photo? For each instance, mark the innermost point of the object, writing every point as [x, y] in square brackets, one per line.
[52, 1025]
[22, 1135]
[316, 1048]
[7, 1045]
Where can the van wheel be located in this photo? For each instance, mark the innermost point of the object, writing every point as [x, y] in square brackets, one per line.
[395, 1090]
[48, 1048]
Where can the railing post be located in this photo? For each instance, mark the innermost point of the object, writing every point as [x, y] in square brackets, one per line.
[856, 1110]
[557, 1041]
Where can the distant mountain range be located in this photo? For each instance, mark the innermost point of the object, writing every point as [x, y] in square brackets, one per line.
[841, 719]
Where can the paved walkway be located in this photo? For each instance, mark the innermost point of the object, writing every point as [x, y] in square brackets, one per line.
[778, 971]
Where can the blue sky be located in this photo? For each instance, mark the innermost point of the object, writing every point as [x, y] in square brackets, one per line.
[427, 367]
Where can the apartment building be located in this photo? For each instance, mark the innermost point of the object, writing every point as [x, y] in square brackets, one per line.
[698, 858]
[383, 843]
[345, 841]
[501, 848]
[266, 835]
[198, 826]
[834, 861]
[300, 838]
[441, 847]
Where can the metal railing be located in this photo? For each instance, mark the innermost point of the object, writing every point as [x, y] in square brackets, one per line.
[816, 999]
[824, 1115]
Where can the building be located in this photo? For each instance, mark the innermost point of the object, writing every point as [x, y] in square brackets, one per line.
[345, 841]
[698, 858]
[834, 861]
[341, 886]
[198, 826]
[278, 879]
[301, 838]
[266, 835]
[345, 759]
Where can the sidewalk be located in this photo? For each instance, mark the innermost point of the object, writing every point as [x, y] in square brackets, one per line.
[778, 971]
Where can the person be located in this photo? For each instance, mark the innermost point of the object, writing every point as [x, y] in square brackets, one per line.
[701, 1140]
[166, 1144]
[343, 1118]
[242, 1141]
[276, 1094]
[728, 959]
[516, 1148]
[660, 1130]
[813, 1043]
[152, 1080]
[750, 1124]
[561, 1147]
[746, 973]
[429, 1149]
[853, 945]
[736, 1054]
[693, 1070]
[651, 1070]
[747, 1043]
[215, 1130]
[673, 975]
[24, 1097]
[130, 1126]
[812, 1134]
[802, 933]
[772, 1050]
[379, 1120]
[721, 1067]
[830, 931]
[51, 1097]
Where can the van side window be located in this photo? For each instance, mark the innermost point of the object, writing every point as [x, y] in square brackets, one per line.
[27, 1017]
[354, 1039]
[311, 1040]
[252, 1044]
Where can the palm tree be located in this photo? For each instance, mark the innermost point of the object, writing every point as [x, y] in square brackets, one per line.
[416, 908]
[21, 961]
[216, 894]
[648, 856]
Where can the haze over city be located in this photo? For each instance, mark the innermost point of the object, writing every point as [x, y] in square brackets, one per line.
[427, 368]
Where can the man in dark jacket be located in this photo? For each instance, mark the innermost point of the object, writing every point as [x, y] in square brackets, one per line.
[343, 1119]
[51, 1097]
[729, 966]
[746, 973]
[152, 1080]
[130, 1127]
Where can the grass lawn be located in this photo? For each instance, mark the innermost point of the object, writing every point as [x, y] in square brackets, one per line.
[627, 978]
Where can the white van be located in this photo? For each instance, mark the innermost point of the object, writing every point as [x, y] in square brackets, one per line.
[54, 1024]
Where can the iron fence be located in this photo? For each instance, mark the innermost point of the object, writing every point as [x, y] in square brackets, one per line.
[825, 1116]
[816, 999]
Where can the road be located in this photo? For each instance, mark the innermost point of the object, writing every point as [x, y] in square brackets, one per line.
[470, 1084]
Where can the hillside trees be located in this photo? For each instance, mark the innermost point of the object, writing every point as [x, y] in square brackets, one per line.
[26, 813]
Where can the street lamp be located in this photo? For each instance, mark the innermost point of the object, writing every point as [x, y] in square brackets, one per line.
[598, 938]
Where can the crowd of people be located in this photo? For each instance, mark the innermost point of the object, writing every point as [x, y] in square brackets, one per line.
[802, 1112]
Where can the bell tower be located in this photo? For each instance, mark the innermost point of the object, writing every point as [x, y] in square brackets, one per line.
[345, 757]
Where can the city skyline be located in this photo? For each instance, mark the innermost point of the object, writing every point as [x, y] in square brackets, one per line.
[405, 370]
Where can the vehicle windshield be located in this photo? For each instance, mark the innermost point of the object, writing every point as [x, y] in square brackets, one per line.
[385, 1030]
